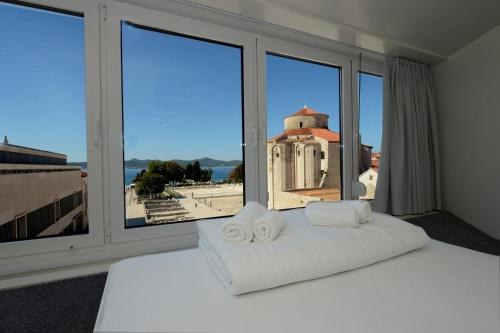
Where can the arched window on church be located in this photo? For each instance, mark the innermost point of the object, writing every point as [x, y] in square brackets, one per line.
[314, 152]
[298, 152]
[322, 155]
[300, 124]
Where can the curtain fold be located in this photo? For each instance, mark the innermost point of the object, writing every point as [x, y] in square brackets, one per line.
[409, 177]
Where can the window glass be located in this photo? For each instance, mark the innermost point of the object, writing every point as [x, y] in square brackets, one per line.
[303, 128]
[182, 127]
[43, 152]
[370, 130]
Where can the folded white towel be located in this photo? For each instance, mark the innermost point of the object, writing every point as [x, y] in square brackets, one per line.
[362, 207]
[268, 226]
[239, 228]
[303, 253]
[322, 215]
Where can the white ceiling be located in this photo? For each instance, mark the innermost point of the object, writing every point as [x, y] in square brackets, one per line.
[426, 30]
[439, 26]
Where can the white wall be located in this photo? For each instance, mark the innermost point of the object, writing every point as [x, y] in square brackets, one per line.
[468, 94]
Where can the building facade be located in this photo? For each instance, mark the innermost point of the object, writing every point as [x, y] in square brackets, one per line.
[40, 195]
[306, 156]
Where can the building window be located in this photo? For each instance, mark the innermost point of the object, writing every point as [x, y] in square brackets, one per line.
[314, 153]
[277, 155]
[322, 155]
[43, 115]
[22, 230]
[300, 124]
[57, 209]
[182, 125]
[298, 152]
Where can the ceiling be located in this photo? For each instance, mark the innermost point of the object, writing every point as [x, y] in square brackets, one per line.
[439, 26]
[427, 30]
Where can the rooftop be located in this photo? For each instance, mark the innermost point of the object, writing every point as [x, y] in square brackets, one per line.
[14, 154]
[323, 133]
[306, 111]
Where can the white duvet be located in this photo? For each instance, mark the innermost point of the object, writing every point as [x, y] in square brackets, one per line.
[305, 252]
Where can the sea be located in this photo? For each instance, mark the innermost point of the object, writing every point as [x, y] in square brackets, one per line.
[219, 174]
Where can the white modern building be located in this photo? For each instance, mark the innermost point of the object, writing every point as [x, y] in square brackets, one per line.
[40, 195]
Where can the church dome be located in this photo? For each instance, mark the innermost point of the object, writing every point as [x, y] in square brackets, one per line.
[306, 118]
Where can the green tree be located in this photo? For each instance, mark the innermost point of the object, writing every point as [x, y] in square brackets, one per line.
[196, 171]
[237, 175]
[173, 172]
[193, 171]
[150, 184]
[188, 172]
[206, 175]
[156, 166]
[138, 176]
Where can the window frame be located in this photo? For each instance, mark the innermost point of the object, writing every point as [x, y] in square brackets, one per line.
[116, 12]
[95, 236]
[370, 67]
[303, 52]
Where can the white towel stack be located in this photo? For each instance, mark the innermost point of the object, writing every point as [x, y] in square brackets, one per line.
[345, 213]
[239, 228]
[268, 226]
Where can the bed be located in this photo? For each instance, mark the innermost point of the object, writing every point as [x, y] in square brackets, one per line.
[439, 288]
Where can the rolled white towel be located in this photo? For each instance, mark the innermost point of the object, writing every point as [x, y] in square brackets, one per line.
[239, 228]
[327, 217]
[268, 226]
[362, 207]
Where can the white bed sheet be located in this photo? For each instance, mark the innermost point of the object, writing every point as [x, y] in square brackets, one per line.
[440, 288]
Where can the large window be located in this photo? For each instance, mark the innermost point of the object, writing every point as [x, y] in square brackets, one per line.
[43, 138]
[304, 154]
[115, 117]
[182, 127]
[370, 130]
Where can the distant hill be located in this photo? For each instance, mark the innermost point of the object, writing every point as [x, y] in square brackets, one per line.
[205, 162]
[136, 164]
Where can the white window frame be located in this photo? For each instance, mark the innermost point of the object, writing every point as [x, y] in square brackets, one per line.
[368, 66]
[116, 12]
[90, 10]
[307, 53]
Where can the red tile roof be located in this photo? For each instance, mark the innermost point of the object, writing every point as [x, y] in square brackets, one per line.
[323, 133]
[305, 111]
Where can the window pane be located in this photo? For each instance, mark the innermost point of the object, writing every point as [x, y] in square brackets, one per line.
[370, 130]
[303, 128]
[182, 127]
[43, 153]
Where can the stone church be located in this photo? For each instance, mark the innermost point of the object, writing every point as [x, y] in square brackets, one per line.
[306, 155]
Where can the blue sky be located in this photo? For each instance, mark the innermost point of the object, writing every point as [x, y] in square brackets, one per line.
[291, 84]
[182, 97]
[42, 91]
[370, 110]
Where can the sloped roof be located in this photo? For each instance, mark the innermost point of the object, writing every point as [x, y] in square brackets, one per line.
[306, 111]
[323, 133]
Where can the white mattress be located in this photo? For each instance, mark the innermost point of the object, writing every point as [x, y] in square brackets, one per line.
[440, 288]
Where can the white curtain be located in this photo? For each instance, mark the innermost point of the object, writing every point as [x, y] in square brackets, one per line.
[409, 178]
